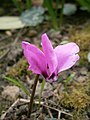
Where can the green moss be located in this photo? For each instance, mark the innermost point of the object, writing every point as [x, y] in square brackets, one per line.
[83, 58]
[19, 69]
[77, 99]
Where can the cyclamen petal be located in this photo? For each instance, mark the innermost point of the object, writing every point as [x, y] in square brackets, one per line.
[50, 55]
[66, 55]
[71, 60]
[35, 57]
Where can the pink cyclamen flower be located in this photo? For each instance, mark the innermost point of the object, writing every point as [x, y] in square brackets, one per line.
[50, 61]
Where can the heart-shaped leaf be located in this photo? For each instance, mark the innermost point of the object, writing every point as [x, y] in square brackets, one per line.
[33, 16]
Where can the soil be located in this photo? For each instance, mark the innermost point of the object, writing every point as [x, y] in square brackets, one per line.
[72, 100]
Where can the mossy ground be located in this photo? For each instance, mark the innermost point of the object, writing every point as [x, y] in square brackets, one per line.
[77, 100]
[19, 69]
[81, 36]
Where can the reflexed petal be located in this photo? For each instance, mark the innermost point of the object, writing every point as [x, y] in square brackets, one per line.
[69, 62]
[35, 58]
[49, 53]
[66, 55]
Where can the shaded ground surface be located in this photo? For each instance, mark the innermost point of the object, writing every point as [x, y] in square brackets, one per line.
[72, 99]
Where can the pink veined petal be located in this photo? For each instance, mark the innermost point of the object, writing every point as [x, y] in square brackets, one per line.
[49, 53]
[66, 55]
[35, 57]
[71, 60]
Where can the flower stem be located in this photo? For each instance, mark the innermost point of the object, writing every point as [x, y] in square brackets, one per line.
[32, 96]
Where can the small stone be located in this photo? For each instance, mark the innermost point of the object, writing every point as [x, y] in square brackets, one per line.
[8, 33]
[82, 79]
[83, 71]
[10, 93]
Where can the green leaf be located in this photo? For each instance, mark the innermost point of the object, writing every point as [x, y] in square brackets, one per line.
[28, 4]
[18, 83]
[69, 79]
[16, 3]
[33, 16]
[42, 88]
[8, 22]
[85, 3]
[49, 5]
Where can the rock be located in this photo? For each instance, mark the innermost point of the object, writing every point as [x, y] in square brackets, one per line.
[10, 93]
[83, 71]
[82, 79]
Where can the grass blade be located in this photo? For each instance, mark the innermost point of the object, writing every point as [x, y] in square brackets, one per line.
[68, 80]
[28, 4]
[16, 3]
[57, 5]
[18, 83]
[42, 88]
[48, 4]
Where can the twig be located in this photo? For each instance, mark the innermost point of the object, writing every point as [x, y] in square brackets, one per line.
[5, 47]
[3, 116]
[17, 37]
[5, 37]
[10, 46]
[36, 102]
[59, 114]
[42, 103]
[27, 101]
[49, 110]
[4, 55]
